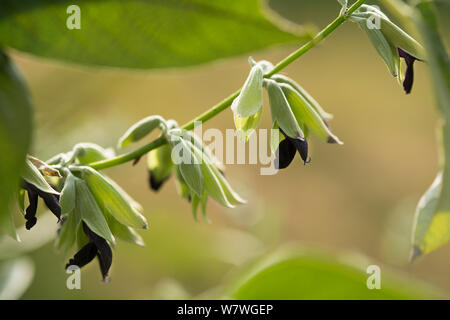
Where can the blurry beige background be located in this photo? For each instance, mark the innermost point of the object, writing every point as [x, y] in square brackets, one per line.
[359, 197]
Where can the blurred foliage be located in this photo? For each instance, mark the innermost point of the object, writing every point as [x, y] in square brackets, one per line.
[306, 274]
[141, 34]
[15, 137]
[342, 200]
[432, 225]
[15, 277]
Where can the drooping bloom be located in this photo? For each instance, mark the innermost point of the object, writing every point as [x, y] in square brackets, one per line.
[96, 211]
[409, 75]
[287, 149]
[96, 247]
[51, 201]
[391, 43]
[295, 114]
[160, 166]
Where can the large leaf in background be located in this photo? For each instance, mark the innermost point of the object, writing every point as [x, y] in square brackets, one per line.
[15, 135]
[139, 33]
[432, 225]
[295, 274]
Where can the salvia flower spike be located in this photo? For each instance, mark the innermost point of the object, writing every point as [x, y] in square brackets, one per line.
[392, 43]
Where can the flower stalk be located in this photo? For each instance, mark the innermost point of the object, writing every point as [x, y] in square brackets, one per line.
[226, 103]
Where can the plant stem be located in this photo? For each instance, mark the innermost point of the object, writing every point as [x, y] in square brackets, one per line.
[318, 38]
[215, 110]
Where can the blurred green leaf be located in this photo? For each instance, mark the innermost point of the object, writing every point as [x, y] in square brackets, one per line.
[15, 136]
[15, 277]
[140, 34]
[432, 225]
[296, 274]
[30, 240]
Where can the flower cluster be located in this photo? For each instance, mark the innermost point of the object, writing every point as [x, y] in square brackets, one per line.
[198, 173]
[92, 210]
[294, 113]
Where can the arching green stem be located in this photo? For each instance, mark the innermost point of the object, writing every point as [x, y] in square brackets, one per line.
[215, 110]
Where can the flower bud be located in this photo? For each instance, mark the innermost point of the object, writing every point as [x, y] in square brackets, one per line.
[188, 163]
[160, 166]
[86, 152]
[140, 129]
[250, 98]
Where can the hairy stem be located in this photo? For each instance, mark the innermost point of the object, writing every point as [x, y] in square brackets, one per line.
[215, 110]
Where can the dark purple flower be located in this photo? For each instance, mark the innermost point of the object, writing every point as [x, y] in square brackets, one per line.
[287, 149]
[409, 75]
[51, 201]
[96, 247]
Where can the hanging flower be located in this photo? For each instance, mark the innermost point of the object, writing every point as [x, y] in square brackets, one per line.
[391, 43]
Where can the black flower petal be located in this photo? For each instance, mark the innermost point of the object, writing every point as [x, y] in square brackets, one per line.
[30, 223]
[284, 154]
[302, 148]
[97, 247]
[104, 252]
[30, 212]
[301, 145]
[51, 201]
[84, 256]
[409, 75]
